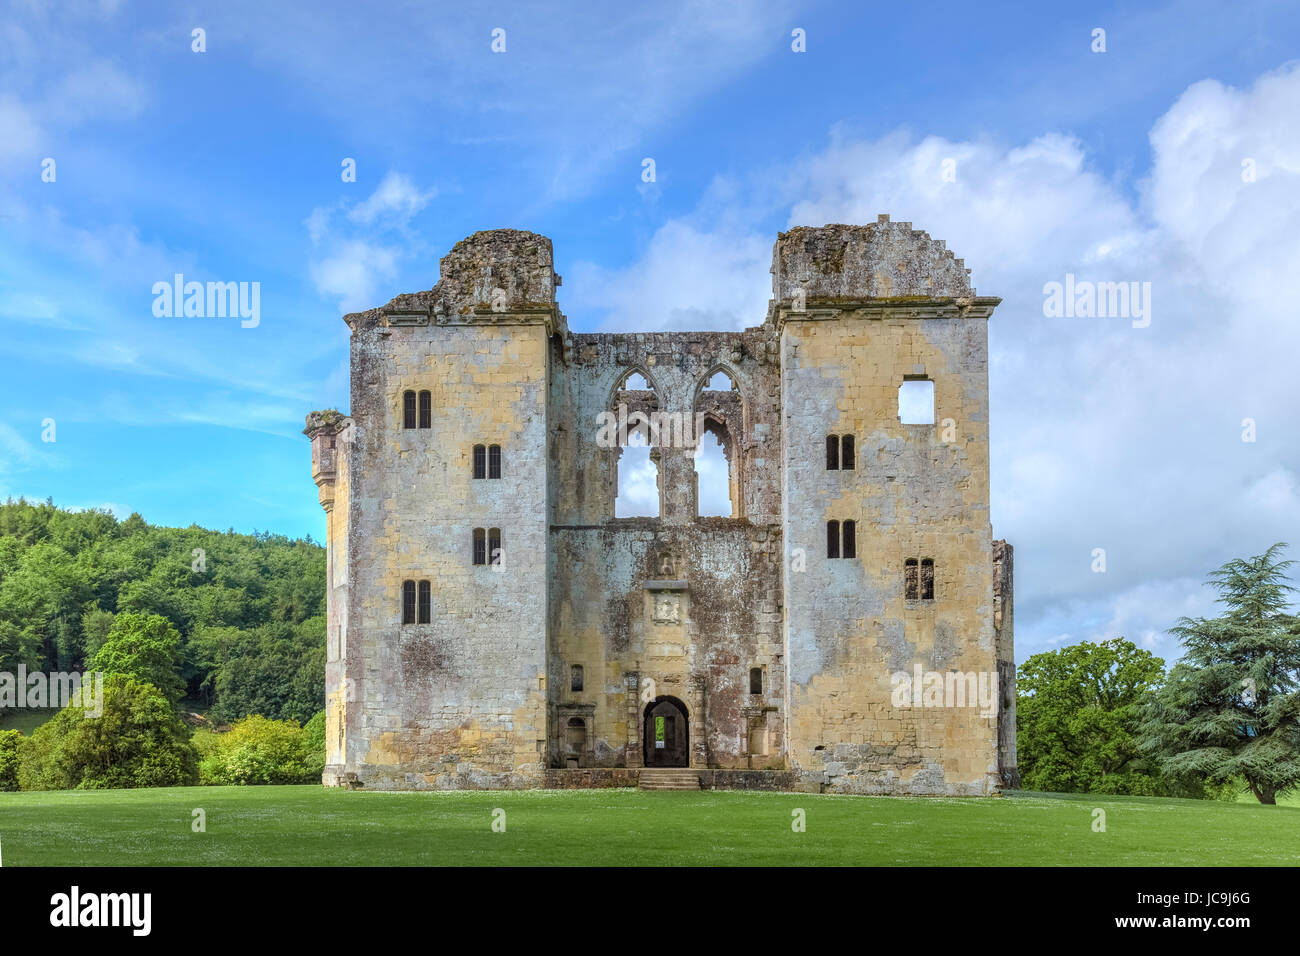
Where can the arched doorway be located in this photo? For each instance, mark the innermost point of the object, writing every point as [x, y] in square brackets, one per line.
[667, 737]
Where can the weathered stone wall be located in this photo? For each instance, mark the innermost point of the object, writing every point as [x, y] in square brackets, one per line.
[607, 572]
[461, 700]
[913, 494]
[722, 618]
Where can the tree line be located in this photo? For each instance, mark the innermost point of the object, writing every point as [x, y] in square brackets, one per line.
[249, 608]
[176, 619]
[1108, 718]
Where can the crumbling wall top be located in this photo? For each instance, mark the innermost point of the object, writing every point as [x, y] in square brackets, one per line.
[493, 272]
[329, 420]
[882, 260]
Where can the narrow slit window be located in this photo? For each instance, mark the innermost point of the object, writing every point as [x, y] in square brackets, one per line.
[426, 409]
[494, 545]
[426, 603]
[846, 453]
[756, 680]
[494, 461]
[849, 531]
[927, 579]
[575, 677]
[480, 461]
[832, 452]
[832, 539]
[480, 546]
[408, 409]
[911, 579]
[408, 602]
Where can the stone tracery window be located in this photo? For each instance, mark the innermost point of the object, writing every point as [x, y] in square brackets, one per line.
[918, 579]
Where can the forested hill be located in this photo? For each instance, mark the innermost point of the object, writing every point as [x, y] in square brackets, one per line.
[250, 608]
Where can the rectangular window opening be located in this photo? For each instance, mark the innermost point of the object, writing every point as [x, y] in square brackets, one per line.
[408, 602]
[916, 402]
[426, 603]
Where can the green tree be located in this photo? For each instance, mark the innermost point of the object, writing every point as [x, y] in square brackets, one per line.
[137, 742]
[1230, 709]
[10, 748]
[95, 625]
[145, 647]
[64, 575]
[1077, 712]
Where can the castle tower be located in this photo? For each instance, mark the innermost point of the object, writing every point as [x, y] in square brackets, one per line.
[442, 672]
[331, 434]
[889, 573]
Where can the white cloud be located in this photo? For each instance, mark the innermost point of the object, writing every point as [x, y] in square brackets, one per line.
[688, 279]
[352, 273]
[355, 259]
[395, 198]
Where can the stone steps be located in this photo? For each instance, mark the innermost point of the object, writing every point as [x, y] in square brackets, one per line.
[668, 778]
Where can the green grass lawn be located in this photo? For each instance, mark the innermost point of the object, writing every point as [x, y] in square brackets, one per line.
[310, 825]
[25, 719]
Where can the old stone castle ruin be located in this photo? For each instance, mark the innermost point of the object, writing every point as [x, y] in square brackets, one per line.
[493, 624]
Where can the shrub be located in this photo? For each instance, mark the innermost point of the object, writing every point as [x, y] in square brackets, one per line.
[313, 741]
[10, 742]
[137, 742]
[256, 750]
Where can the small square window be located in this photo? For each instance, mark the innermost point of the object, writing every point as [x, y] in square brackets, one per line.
[916, 402]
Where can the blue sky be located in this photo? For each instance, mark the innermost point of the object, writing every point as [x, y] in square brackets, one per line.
[225, 165]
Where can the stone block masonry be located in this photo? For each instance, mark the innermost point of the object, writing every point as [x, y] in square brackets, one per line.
[492, 624]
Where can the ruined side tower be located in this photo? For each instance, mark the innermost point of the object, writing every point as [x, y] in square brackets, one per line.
[439, 677]
[861, 310]
[330, 435]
